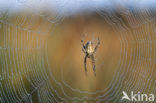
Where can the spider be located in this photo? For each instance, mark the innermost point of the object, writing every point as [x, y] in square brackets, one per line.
[89, 49]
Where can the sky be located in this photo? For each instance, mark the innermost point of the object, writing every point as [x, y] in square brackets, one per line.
[69, 6]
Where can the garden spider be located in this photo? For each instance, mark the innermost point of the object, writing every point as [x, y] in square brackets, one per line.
[89, 49]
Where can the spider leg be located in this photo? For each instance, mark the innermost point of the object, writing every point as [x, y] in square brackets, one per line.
[85, 60]
[93, 63]
[83, 49]
[97, 45]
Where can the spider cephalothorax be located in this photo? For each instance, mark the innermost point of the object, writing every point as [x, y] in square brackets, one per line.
[89, 49]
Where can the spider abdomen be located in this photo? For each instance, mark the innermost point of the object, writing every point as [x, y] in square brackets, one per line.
[90, 50]
[89, 47]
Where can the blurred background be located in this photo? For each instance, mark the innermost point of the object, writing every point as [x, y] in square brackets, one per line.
[41, 58]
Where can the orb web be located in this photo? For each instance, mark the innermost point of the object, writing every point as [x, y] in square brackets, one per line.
[26, 74]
